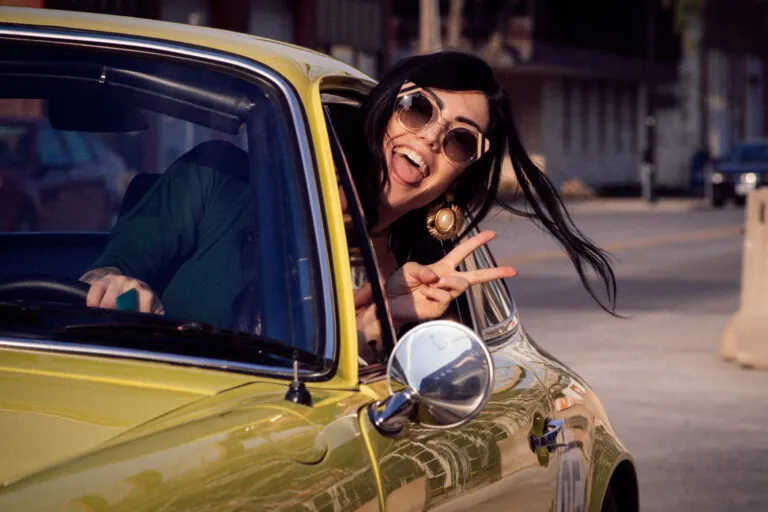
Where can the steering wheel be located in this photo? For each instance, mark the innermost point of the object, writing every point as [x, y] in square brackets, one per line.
[45, 289]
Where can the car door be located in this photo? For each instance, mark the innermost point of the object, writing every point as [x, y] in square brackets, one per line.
[488, 463]
[495, 316]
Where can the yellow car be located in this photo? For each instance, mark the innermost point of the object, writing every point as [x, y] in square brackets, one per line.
[261, 400]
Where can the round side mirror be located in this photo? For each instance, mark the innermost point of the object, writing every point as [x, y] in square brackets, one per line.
[447, 375]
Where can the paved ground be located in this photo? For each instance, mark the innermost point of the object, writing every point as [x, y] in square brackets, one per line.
[695, 424]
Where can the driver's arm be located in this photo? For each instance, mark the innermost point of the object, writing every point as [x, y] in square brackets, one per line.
[150, 242]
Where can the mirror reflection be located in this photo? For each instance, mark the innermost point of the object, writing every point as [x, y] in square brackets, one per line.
[448, 367]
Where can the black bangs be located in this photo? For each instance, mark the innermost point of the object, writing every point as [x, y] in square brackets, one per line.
[448, 70]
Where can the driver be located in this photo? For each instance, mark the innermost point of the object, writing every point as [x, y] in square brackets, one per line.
[182, 245]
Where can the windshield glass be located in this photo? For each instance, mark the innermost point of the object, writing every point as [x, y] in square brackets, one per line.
[183, 178]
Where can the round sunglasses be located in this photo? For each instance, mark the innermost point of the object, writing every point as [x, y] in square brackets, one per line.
[416, 110]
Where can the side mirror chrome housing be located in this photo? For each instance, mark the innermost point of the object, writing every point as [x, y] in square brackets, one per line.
[444, 376]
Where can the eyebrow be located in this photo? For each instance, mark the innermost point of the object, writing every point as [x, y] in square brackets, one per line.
[469, 122]
[460, 119]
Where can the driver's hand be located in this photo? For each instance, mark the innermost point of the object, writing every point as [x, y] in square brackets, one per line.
[105, 290]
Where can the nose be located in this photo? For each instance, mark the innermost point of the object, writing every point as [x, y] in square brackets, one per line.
[432, 135]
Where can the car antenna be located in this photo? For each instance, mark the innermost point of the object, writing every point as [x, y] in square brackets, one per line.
[297, 391]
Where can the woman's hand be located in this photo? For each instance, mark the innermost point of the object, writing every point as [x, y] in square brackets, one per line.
[105, 290]
[417, 292]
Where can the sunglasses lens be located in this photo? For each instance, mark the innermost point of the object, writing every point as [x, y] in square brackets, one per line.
[415, 111]
[460, 145]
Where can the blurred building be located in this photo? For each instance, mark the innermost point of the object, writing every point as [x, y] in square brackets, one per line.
[719, 95]
[733, 53]
[574, 72]
[580, 74]
[577, 72]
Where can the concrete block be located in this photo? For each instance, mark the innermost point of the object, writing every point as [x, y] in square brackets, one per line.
[745, 339]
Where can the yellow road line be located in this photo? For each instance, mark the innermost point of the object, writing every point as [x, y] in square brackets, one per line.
[693, 236]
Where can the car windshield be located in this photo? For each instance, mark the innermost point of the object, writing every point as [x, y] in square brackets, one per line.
[748, 153]
[185, 178]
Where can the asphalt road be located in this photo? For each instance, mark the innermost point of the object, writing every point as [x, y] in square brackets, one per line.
[695, 424]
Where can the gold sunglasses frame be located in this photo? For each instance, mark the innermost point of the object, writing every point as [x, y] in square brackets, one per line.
[408, 88]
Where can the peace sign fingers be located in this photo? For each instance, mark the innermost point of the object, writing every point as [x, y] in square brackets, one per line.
[488, 274]
[465, 248]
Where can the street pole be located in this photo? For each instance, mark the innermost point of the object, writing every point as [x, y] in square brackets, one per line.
[648, 165]
[429, 26]
[454, 24]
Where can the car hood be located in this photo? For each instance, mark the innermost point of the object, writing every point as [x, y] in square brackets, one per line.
[56, 407]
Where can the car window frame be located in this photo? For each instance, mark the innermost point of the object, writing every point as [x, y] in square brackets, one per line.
[493, 333]
[288, 99]
[352, 97]
[349, 97]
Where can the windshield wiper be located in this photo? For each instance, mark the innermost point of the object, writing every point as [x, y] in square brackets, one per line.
[191, 339]
[141, 331]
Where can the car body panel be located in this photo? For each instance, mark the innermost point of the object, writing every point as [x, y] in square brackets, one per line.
[347, 370]
[735, 167]
[473, 466]
[246, 448]
[86, 401]
[300, 66]
[592, 449]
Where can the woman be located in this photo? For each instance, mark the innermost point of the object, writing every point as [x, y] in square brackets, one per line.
[442, 145]
[436, 129]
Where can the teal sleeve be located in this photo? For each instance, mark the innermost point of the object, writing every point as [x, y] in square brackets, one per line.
[152, 240]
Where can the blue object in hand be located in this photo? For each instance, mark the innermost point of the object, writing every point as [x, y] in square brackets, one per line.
[128, 301]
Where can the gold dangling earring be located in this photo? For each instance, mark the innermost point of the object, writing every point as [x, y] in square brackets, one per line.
[445, 218]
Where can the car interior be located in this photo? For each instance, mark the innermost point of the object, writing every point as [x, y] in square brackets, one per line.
[153, 113]
[105, 96]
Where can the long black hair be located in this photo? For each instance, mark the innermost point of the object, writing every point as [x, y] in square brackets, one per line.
[476, 188]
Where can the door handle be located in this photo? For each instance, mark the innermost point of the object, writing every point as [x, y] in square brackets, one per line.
[548, 439]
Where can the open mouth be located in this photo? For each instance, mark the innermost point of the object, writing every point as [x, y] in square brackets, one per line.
[412, 158]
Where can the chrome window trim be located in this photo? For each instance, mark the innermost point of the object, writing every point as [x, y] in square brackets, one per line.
[471, 299]
[502, 331]
[249, 66]
[337, 99]
[508, 328]
[143, 355]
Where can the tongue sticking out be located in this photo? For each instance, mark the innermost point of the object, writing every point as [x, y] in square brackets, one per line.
[406, 170]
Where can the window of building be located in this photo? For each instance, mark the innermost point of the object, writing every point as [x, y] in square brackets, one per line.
[618, 112]
[567, 100]
[633, 127]
[601, 110]
[584, 114]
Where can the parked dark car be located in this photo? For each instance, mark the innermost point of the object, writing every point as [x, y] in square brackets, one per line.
[740, 170]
